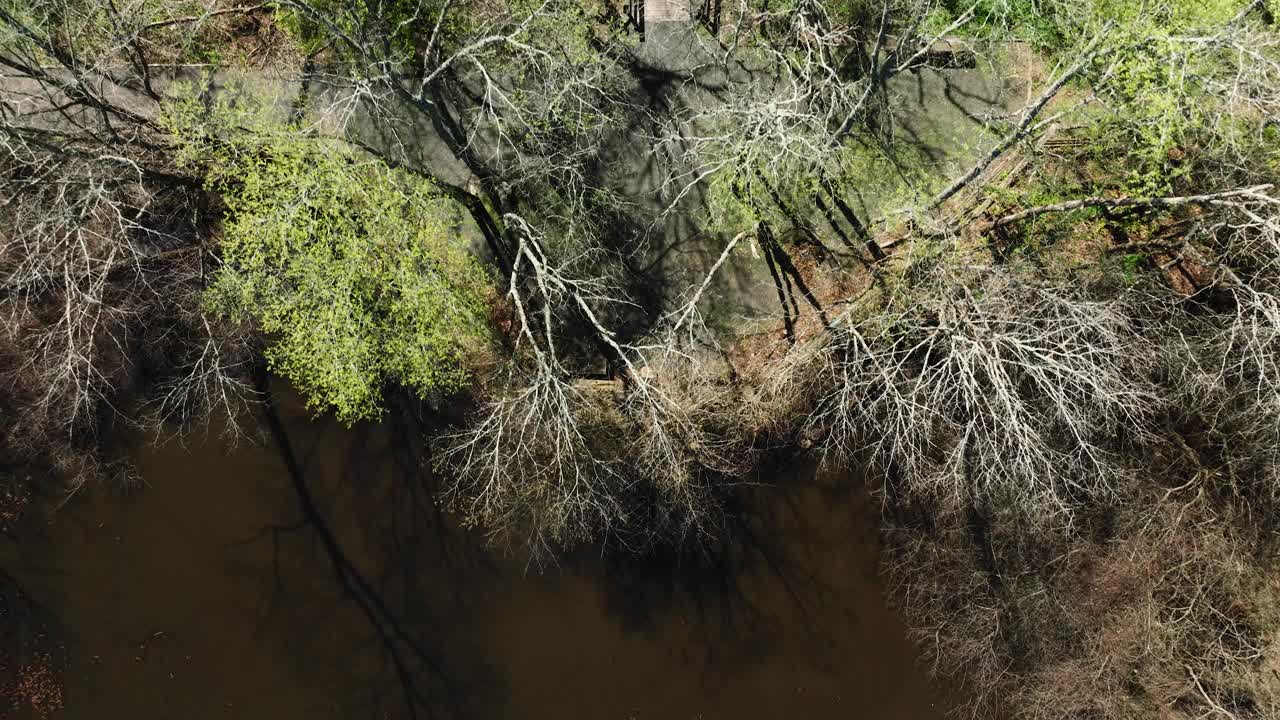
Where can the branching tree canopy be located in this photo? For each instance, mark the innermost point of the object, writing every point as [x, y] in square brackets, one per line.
[358, 272]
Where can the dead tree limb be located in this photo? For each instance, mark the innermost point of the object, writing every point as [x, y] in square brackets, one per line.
[1112, 203]
[1026, 126]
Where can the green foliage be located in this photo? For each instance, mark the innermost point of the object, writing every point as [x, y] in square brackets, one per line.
[1034, 21]
[99, 33]
[396, 25]
[86, 26]
[353, 269]
[1058, 25]
[1152, 77]
[779, 188]
[1131, 263]
[400, 30]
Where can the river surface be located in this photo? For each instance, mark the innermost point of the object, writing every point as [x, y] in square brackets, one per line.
[206, 591]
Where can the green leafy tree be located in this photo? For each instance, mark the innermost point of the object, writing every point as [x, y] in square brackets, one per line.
[356, 271]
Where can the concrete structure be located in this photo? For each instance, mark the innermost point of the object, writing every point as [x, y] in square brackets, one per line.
[660, 11]
[945, 111]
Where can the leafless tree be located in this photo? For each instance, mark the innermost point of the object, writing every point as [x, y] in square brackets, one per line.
[102, 237]
[560, 459]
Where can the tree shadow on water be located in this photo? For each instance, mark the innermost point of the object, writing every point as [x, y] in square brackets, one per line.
[366, 502]
[763, 576]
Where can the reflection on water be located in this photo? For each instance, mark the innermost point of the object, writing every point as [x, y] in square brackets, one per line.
[216, 590]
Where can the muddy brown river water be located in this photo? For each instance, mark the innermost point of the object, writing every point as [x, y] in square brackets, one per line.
[204, 592]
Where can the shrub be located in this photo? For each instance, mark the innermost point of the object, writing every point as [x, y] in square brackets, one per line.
[357, 272]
